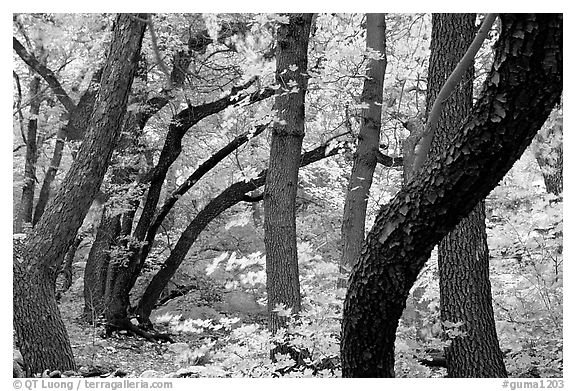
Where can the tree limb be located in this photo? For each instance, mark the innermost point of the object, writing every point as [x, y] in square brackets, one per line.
[422, 148]
[46, 73]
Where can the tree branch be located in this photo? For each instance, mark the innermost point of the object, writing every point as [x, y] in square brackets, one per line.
[46, 73]
[388, 161]
[422, 148]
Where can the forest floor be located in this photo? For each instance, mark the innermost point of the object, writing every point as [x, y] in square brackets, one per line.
[131, 356]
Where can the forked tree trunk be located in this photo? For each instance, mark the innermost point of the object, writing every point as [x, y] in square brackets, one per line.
[354, 219]
[524, 85]
[463, 265]
[40, 332]
[282, 277]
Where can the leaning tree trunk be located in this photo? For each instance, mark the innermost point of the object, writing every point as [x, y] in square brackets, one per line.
[40, 332]
[463, 265]
[524, 85]
[354, 219]
[282, 277]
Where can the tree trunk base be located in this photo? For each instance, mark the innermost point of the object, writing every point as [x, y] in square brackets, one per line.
[126, 325]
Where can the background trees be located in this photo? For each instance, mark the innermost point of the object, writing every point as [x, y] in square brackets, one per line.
[177, 227]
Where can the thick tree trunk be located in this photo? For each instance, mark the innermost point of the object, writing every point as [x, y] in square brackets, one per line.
[354, 219]
[282, 277]
[28, 189]
[524, 85]
[234, 194]
[40, 332]
[463, 265]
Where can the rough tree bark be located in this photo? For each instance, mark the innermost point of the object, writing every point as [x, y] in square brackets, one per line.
[524, 85]
[40, 332]
[463, 261]
[354, 218]
[116, 218]
[282, 277]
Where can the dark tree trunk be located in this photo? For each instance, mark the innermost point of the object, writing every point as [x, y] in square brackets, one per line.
[28, 189]
[282, 277]
[66, 271]
[40, 332]
[463, 265]
[524, 85]
[354, 219]
[96, 271]
[234, 194]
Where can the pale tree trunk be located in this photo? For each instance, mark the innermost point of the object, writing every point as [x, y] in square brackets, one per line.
[282, 277]
[40, 331]
[463, 257]
[449, 186]
[354, 219]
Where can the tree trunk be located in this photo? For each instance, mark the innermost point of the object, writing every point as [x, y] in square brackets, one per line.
[282, 277]
[28, 189]
[524, 85]
[116, 221]
[40, 332]
[96, 271]
[354, 220]
[463, 264]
